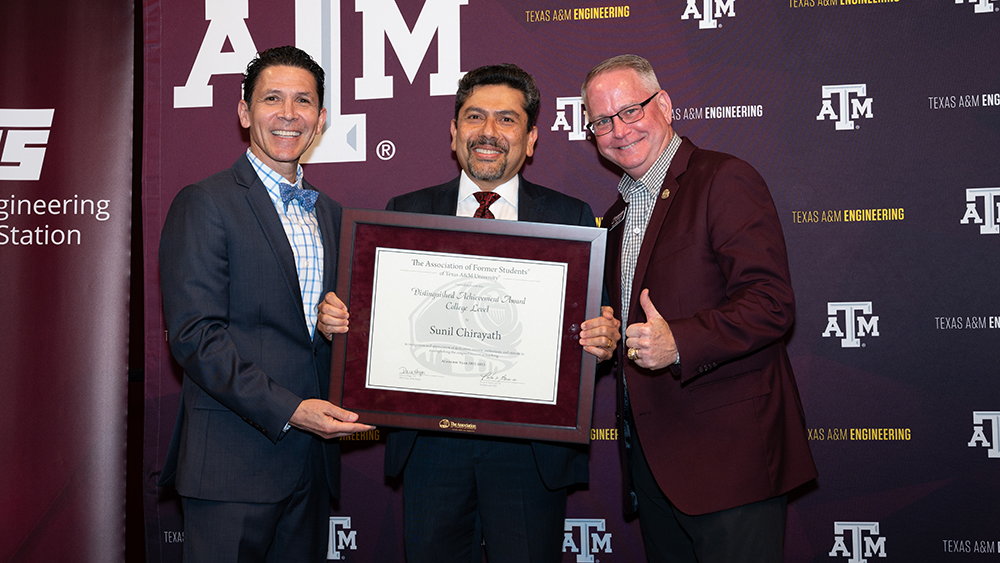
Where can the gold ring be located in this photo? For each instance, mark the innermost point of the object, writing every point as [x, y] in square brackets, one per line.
[610, 342]
[633, 354]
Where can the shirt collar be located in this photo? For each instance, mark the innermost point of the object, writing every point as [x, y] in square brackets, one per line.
[270, 178]
[652, 180]
[507, 191]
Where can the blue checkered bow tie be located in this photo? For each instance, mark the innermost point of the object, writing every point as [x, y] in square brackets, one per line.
[307, 198]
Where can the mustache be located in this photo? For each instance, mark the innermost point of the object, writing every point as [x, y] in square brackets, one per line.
[484, 141]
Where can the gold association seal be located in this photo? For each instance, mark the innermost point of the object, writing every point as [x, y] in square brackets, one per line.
[445, 424]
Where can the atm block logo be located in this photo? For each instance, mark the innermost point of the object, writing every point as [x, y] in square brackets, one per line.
[857, 542]
[574, 122]
[711, 12]
[981, 6]
[342, 538]
[852, 103]
[586, 538]
[228, 45]
[987, 220]
[984, 432]
[858, 322]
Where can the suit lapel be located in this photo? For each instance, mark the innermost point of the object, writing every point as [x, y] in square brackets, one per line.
[330, 233]
[667, 195]
[530, 203]
[613, 271]
[331, 237]
[270, 225]
[446, 199]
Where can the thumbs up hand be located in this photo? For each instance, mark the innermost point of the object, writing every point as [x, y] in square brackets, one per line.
[650, 344]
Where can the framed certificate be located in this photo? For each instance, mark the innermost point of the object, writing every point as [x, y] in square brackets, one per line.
[467, 325]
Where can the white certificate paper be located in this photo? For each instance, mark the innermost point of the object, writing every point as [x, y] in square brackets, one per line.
[468, 326]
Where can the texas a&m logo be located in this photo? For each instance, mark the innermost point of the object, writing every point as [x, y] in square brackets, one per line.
[991, 209]
[342, 538]
[574, 123]
[318, 32]
[589, 541]
[858, 322]
[864, 540]
[710, 13]
[980, 421]
[982, 6]
[851, 104]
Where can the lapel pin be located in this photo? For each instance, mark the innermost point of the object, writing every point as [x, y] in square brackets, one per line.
[665, 194]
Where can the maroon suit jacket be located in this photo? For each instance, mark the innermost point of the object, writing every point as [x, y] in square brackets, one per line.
[725, 427]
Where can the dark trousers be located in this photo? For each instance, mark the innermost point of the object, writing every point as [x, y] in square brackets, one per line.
[753, 532]
[452, 485]
[293, 530]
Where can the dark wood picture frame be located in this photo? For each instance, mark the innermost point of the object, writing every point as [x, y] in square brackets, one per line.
[581, 248]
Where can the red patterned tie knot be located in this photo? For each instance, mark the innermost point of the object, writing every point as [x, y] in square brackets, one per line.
[485, 199]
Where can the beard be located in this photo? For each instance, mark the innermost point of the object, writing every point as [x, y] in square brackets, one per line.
[488, 171]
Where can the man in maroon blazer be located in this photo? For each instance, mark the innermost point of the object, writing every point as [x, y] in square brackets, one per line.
[714, 433]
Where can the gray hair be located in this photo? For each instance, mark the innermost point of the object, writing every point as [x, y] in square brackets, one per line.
[624, 62]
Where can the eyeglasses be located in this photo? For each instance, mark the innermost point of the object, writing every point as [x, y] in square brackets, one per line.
[631, 114]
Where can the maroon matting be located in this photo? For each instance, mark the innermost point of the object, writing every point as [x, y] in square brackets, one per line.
[581, 248]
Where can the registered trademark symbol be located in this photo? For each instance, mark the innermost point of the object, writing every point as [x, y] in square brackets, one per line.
[385, 150]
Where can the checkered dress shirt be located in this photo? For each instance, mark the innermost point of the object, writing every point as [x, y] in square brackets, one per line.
[640, 195]
[302, 230]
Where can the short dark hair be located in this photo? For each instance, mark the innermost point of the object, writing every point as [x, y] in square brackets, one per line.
[282, 56]
[506, 74]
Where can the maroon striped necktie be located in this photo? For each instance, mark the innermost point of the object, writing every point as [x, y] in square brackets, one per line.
[485, 199]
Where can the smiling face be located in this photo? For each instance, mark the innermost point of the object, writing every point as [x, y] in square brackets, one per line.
[490, 137]
[283, 117]
[632, 146]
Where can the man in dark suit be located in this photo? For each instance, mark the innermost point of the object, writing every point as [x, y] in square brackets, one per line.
[714, 433]
[516, 489]
[245, 257]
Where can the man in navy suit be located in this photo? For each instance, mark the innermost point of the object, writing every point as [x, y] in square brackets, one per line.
[515, 488]
[245, 257]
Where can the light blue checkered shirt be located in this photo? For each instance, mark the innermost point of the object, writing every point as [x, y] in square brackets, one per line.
[302, 229]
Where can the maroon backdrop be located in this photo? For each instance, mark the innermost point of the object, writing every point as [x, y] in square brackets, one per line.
[875, 124]
[65, 205]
